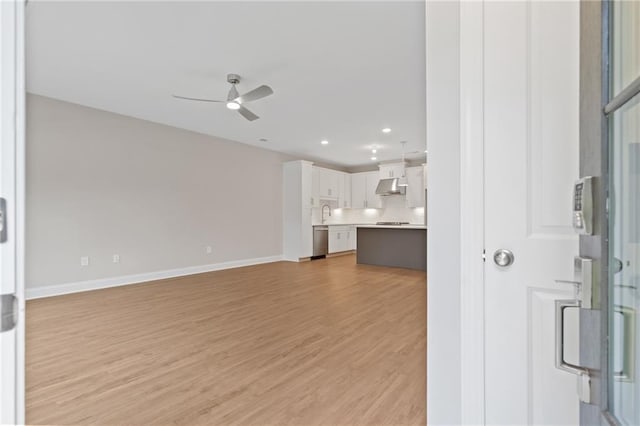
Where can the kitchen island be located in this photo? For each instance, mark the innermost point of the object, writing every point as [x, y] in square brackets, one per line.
[401, 246]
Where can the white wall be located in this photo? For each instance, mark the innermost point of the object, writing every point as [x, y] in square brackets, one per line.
[443, 212]
[100, 184]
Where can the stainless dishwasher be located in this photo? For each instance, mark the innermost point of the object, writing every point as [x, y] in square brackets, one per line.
[320, 240]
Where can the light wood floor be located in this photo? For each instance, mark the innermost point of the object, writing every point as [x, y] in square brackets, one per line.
[323, 342]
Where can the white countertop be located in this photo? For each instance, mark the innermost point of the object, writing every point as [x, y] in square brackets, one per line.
[373, 225]
[409, 226]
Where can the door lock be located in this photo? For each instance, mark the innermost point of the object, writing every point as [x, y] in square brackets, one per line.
[8, 312]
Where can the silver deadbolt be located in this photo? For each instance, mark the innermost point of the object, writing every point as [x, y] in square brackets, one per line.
[503, 257]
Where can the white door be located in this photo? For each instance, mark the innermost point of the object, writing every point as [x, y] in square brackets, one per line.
[12, 193]
[531, 108]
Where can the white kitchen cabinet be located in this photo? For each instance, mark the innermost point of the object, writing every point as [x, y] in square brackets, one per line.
[391, 170]
[344, 190]
[363, 190]
[341, 190]
[351, 238]
[315, 187]
[373, 201]
[415, 186]
[358, 190]
[424, 172]
[328, 183]
[339, 238]
[346, 195]
[297, 209]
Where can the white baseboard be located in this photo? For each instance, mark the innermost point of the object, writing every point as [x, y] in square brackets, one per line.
[60, 289]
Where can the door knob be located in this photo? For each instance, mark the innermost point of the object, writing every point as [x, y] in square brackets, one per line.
[616, 265]
[503, 257]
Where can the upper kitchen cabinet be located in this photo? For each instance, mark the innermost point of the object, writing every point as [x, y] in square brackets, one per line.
[373, 201]
[363, 190]
[358, 190]
[315, 187]
[415, 186]
[424, 172]
[331, 185]
[391, 170]
[328, 183]
[346, 193]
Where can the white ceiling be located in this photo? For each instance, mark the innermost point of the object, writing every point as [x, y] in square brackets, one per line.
[341, 71]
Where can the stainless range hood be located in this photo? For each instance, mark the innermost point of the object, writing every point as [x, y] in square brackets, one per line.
[390, 187]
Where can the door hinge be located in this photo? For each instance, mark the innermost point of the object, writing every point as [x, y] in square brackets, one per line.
[8, 312]
[484, 255]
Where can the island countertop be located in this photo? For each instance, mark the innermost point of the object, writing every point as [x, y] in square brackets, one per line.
[406, 226]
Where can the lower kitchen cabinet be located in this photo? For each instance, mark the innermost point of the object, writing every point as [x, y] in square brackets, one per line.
[339, 238]
[351, 238]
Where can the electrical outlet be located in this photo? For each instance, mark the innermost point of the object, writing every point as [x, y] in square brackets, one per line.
[84, 261]
[208, 249]
[116, 258]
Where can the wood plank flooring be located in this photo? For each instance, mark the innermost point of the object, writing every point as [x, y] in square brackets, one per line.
[322, 342]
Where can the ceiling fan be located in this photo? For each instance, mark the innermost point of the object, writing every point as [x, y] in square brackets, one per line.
[236, 101]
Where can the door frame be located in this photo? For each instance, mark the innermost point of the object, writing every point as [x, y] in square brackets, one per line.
[594, 94]
[600, 85]
[16, 113]
[472, 256]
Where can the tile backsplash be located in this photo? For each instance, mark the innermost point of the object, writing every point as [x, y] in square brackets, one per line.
[393, 210]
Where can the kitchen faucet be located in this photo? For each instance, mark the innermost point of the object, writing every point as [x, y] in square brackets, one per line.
[327, 206]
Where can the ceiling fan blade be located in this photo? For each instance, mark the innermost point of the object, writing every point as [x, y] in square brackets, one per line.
[195, 99]
[247, 114]
[255, 94]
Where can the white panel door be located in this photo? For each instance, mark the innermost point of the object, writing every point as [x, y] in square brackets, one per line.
[531, 87]
[12, 191]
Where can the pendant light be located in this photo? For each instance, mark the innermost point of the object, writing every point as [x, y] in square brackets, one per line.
[402, 181]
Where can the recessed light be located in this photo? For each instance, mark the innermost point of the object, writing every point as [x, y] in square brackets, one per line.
[233, 105]
[373, 158]
[425, 151]
[324, 142]
[373, 151]
[386, 130]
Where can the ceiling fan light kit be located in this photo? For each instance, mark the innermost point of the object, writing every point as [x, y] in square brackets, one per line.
[235, 101]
